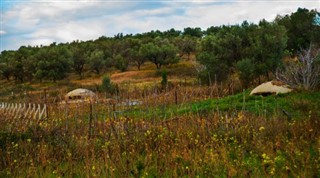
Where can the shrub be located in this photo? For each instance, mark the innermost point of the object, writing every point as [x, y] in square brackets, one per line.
[107, 86]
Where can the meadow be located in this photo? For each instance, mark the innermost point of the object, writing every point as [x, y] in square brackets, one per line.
[185, 131]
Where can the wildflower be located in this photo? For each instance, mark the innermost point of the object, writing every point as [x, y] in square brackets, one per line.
[93, 168]
[272, 170]
[261, 129]
[29, 140]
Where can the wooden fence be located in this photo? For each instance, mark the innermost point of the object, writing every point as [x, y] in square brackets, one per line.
[19, 110]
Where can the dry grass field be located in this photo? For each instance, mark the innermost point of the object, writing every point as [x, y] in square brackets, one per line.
[185, 130]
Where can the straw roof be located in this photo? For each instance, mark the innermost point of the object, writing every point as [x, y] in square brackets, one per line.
[85, 93]
[272, 87]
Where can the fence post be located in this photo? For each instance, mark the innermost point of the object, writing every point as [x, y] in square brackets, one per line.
[43, 112]
[176, 96]
[90, 121]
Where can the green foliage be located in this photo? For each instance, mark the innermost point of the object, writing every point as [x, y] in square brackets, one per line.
[107, 86]
[5, 64]
[215, 69]
[186, 45]
[193, 32]
[268, 47]
[219, 50]
[164, 78]
[97, 61]
[136, 57]
[246, 70]
[301, 29]
[230, 48]
[53, 63]
[79, 57]
[160, 52]
[121, 63]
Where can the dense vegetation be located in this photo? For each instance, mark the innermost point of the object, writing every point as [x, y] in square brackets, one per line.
[250, 50]
[236, 136]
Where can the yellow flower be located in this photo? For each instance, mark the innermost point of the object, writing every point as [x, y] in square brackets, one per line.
[272, 171]
[261, 128]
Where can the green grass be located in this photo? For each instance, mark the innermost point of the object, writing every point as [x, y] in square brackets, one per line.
[292, 106]
[232, 136]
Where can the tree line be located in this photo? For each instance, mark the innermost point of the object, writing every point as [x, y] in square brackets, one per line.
[248, 50]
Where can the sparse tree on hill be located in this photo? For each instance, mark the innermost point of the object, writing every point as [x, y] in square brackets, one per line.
[137, 58]
[186, 45]
[121, 63]
[97, 61]
[79, 58]
[53, 63]
[302, 29]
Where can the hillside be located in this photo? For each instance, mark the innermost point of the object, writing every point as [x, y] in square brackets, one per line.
[165, 104]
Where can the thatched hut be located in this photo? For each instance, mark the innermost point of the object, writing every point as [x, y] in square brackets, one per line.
[81, 94]
[272, 87]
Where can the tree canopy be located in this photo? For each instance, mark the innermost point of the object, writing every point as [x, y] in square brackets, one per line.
[249, 50]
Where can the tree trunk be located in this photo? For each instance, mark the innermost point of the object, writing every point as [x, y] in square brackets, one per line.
[158, 65]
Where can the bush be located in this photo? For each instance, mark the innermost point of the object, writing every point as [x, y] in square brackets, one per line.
[107, 86]
[121, 63]
[164, 76]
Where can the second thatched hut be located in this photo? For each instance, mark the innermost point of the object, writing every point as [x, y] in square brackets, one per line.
[271, 87]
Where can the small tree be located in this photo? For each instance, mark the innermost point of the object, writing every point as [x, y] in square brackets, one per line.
[303, 73]
[107, 86]
[246, 69]
[97, 61]
[136, 57]
[121, 63]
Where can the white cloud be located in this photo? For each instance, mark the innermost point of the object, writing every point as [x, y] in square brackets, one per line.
[2, 32]
[44, 22]
[235, 13]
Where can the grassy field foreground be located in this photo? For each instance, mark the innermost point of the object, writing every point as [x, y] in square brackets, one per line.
[243, 139]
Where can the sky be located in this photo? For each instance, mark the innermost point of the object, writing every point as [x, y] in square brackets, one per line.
[42, 22]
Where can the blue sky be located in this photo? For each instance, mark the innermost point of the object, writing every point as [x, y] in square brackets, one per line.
[41, 22]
